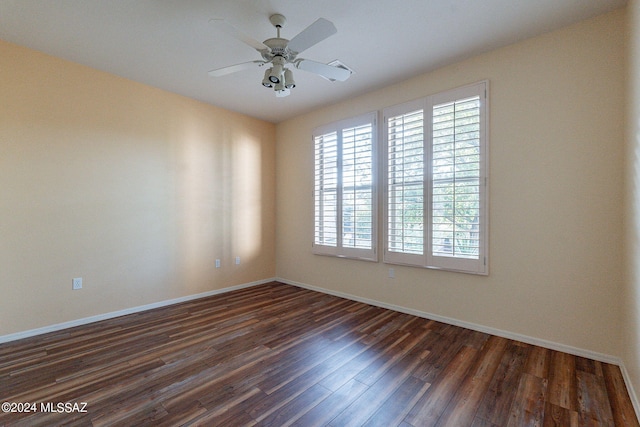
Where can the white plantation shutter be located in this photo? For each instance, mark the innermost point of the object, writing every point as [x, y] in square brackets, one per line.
[456, 178]
[357, 189]
[344, 197]
[405, 183]
[458, 224]
[436, 205]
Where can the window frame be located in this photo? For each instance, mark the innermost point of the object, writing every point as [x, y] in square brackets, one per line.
[339, 250]
[427, 259]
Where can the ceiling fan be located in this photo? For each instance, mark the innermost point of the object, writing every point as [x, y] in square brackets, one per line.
[280, 53]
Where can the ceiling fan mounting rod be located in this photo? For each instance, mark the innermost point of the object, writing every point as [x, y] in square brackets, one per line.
[277, 21]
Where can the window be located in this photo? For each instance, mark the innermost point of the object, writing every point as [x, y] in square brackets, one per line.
[436, 181]
[344, 197]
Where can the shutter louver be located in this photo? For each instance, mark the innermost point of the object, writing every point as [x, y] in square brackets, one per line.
[326, 189]
[357, 190]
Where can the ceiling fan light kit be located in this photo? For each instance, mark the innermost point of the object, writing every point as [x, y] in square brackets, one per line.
[281, 53]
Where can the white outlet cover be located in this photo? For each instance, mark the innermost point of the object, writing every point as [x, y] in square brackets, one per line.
[77, 283]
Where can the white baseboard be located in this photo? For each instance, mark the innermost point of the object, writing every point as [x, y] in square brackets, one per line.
[468, 325]
[493, 331]
[111, 315]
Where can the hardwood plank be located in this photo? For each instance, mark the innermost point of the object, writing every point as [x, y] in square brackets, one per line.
[292, 389]
[538, 362]
[333, 405]
[370, 355]
[371, 374]
[446, 341]
[211, 378]
[528, 405]
[555, 416]
[480, 422]
[180, 415]
[232, 418]
[593, 402]
[149, 414]
[429, 408]
[363, 408]
[462, 408]
[398, 405]
[497, 400]
[287, 414]
[329, 358]
[231, 411]
[226, 413]
[589, 366]
[562, 381]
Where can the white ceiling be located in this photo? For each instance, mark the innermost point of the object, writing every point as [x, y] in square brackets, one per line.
[170, 44]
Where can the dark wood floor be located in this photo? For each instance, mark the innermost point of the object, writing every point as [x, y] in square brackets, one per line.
[279, 355]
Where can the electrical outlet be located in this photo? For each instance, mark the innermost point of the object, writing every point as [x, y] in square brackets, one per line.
[237, 260]
[217, 263]
[392, 273]
[76, 283]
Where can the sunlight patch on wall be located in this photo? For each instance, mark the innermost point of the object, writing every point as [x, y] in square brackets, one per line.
[196, 199]
[219, 200]
[247, 197]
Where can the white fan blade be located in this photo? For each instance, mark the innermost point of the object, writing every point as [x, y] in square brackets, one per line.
[234, 68]
[233, 31]
[324, 70]
[314, 33]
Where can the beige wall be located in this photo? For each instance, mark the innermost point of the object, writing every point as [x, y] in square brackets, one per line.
[631, 298]
[556, 151]
[134, 189]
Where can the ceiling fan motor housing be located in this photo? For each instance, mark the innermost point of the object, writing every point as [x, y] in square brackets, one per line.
[277, 47]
